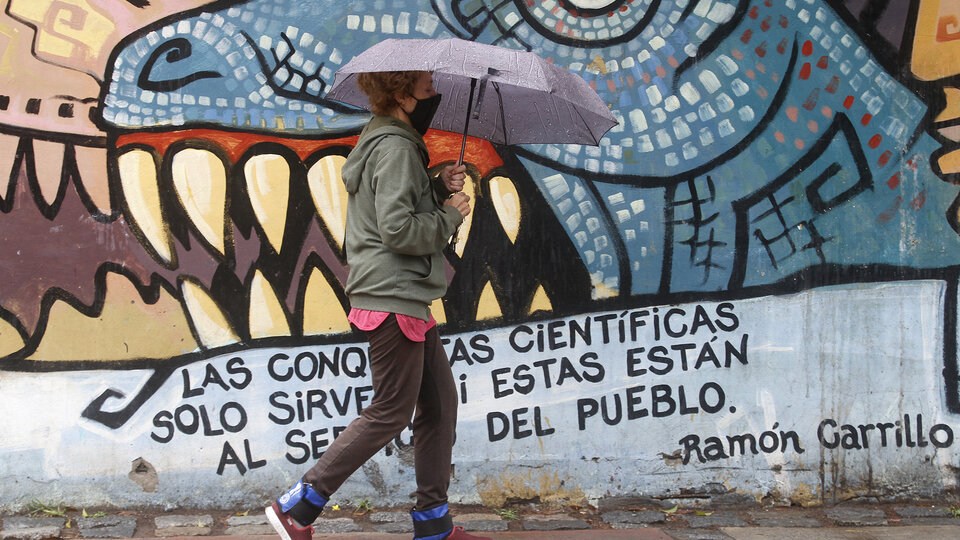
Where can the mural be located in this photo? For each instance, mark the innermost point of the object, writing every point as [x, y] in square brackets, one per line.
[752, 280]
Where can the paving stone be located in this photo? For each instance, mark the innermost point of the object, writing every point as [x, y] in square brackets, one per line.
[183, 525]
[851, 516]
[334, 526]
[389, 517]
[714, 520]
[27, 528]
[740, 500]
[787, 521]
[107, 526]
[691, 534]
[921, 522]
[642, 517]
[922, 511]
[626, 503]
[553, 522]
[394, 527]
[253, 524]
[480, 522]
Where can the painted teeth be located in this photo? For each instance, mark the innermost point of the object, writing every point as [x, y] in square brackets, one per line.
[138, 180]
[92, 164]
[318, 318]
[506, 202]
[329, 195]
[268, 318]
[48, 161]
[200, 180]
[463, 233]
[209, 323]
[8, 154]
[268, 186]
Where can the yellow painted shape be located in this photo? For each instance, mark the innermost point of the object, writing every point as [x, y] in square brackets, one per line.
[936, 43]
[952, 109]
[541, 302]
[438, 311]
[267, 316]
[322, 313]
[488, 307]
[598, 64]
[601, 290]
[65, 28]
[138, 180]
[127, 328]
[200, 180]
[506, 201]
[950, 162]
[10, 339]
[329, 195]
[209, 322]
[268, 185]
[463, 233]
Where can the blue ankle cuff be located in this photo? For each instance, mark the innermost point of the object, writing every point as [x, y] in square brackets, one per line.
[433, 524]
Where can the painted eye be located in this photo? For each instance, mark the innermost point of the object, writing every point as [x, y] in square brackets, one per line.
[582, 23]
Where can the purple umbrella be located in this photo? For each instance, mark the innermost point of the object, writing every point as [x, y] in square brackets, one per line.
[501, 95]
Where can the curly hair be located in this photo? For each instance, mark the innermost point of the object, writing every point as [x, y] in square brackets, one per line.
[382, 87]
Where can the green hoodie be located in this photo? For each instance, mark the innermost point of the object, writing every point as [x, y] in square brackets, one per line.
[396, 225]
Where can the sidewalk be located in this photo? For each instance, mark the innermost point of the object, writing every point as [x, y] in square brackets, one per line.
[741, 522]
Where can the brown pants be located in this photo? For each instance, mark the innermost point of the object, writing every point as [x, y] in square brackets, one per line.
[407, 376]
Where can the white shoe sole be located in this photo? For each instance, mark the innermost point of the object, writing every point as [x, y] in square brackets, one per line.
[274, 520]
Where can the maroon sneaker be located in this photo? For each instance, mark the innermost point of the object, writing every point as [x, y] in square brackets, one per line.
[288, 529]
[459, 534]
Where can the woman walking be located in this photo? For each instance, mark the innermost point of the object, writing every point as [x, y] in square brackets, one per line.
[398, 222]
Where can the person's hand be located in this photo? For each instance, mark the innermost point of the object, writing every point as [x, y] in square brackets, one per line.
[460, 201]
[453, 177]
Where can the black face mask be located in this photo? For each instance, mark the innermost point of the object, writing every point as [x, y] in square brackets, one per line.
[423, 112]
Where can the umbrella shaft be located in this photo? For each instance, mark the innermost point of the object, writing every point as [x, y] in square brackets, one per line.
[466, 125]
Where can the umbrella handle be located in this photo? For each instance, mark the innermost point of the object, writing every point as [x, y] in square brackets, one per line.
[463, 144]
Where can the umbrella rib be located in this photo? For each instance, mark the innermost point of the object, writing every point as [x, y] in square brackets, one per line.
[503, 117]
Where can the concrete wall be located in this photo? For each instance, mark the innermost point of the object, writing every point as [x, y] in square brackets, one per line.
[751, 282]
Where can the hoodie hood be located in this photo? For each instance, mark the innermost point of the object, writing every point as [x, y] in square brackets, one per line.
[378, 128]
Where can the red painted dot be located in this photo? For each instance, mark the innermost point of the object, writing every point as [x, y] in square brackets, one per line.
[805, 71]
[750, 74]
[875, 141]
[813, 126]
[894, 181]
[624, 9]
[661, 72]
[765, 25]
[827, 111]
[761, 50]
[823, 63]
[807, 48]
[885, 158]
[848, 102]
[779, 137]
[784, 21]
[736, 54]
[866, 119]
[746, 36]
[753, 12]
[799, 144]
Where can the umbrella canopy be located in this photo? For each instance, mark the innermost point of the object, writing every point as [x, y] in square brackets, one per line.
[501, 95]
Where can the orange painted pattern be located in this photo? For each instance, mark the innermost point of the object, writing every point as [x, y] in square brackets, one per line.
[444, 146]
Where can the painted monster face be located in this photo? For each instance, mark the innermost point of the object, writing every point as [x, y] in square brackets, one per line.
[758, 141]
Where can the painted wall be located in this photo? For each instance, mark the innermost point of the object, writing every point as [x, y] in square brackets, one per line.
[752, 281]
